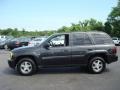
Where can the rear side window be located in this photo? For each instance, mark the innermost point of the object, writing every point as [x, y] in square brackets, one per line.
[102, 39]
[81, 39]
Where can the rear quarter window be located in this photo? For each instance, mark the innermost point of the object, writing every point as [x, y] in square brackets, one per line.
[102, 39]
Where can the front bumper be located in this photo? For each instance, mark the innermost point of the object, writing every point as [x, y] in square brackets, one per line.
[11, 64]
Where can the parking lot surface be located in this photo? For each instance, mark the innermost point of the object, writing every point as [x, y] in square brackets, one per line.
[67, 78]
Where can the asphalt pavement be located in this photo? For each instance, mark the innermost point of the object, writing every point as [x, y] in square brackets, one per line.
[67, 78]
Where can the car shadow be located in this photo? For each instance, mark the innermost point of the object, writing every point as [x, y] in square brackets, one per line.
[61, 70]
[58, 70]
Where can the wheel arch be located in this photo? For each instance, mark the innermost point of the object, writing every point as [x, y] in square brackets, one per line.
[26, 56]
[103, 55]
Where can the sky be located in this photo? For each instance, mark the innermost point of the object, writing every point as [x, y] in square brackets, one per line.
[51, 14]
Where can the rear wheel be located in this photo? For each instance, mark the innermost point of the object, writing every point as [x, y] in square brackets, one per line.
[97, 65]
[26, 66]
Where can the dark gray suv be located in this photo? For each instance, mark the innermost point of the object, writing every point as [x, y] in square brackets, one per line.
[91, 49]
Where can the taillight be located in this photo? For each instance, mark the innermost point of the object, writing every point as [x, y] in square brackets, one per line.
[114, 50]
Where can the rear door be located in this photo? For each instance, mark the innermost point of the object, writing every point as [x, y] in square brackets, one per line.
[81, 45]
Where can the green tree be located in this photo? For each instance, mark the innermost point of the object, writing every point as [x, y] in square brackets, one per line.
[108, 28]
[96, 25]
[84, 26]
[75, 27]
[64, 29]
[114, 19]
[23, 31]
[7, 31]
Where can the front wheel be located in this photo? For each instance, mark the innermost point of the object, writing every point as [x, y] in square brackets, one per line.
[97, 65]
[26, 66]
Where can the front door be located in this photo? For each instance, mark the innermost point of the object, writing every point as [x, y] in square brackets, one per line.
[58, 52]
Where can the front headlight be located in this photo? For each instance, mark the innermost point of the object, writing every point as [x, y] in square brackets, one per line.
[11, 55]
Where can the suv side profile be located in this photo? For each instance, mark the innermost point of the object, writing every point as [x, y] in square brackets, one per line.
[91, 49]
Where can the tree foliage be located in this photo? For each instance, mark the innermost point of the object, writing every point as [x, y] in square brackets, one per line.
[86, 25]
[114, 20]
[17, 33]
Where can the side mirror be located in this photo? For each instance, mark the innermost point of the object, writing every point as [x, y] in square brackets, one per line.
[46, 45]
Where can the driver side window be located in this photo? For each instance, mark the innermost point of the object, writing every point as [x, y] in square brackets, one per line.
[59, 41]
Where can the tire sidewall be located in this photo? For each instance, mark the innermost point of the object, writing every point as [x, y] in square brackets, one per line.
[28, 60]
[91, 62]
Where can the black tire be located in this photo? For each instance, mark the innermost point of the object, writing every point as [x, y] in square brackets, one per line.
[94, 68]
[32, 66]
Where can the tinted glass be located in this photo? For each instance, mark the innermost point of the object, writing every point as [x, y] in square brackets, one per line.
[81, 39]
[102, 39]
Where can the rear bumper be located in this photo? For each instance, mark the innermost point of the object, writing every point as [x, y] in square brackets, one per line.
[11, 64]
[112, 58]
